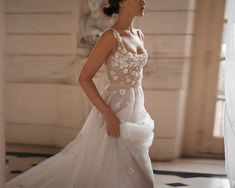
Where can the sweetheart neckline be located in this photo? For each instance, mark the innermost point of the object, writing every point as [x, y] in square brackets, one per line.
[124, 47]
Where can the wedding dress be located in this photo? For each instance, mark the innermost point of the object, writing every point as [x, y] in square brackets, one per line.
[93, 159]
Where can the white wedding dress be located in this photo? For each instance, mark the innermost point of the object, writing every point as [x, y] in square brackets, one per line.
[93, 159]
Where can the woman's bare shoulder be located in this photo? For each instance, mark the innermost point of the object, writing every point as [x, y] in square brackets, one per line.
[107, 34]
[107, 39]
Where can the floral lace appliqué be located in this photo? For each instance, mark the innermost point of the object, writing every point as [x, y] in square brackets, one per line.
[122, 91]
[125, 67]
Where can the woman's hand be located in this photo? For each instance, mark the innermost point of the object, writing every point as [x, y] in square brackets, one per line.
[113, 126]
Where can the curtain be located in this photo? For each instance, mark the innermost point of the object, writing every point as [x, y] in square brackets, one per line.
[229, 87]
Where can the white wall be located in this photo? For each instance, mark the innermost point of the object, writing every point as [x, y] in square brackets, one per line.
[43, 103]
[2, 125]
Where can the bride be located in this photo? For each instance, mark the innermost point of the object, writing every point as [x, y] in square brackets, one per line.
[112, 148]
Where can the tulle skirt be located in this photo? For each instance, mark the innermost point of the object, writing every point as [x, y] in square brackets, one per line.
[93, 159]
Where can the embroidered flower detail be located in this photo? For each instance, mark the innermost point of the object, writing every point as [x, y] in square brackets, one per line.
[130, 171]
[116, 54]
[133, 73]
[121, 65]
[129, 54]
[131, 63]
[124, 50]
[128, 80]
[132, 82]
[115, 77]
[121, 59]
[112, 72]
[136, 74]
[125, 64]
[117, 105]
[125, 70]
[122, 91]
[134, 58]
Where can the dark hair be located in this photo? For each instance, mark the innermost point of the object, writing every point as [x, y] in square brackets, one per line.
[113, 8]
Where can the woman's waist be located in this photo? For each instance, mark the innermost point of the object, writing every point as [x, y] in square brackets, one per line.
[123, 84]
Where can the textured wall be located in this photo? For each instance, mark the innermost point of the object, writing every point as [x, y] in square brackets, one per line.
[43, 102]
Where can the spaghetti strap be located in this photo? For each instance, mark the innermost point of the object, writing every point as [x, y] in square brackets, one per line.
[117, 34]
[113, 29]
[119, 38]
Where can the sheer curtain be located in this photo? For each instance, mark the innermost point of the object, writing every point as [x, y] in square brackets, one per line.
[229, 132]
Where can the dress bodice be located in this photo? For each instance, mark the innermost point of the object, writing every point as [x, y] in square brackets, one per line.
[125, 67]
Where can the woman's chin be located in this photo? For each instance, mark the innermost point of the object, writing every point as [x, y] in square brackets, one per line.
[140, 14]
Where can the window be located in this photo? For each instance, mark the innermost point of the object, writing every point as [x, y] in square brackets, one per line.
[220, 102]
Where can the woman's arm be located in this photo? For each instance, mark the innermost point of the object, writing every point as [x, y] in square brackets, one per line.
[103, 47]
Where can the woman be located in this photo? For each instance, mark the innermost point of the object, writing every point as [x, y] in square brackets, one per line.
[111, 149]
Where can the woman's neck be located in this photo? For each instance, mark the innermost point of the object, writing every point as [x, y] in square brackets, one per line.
[124, 22]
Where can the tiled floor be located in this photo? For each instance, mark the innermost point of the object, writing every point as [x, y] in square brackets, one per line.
[190, 173]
